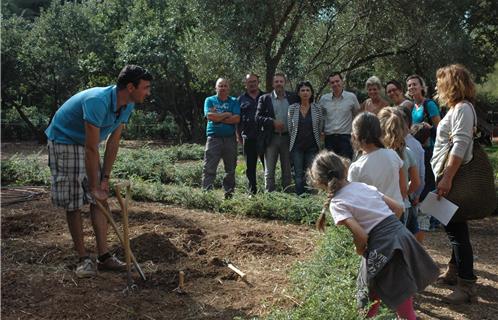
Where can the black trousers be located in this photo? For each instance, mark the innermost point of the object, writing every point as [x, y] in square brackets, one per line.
[340, 144]
[462, 255]
[251, 156]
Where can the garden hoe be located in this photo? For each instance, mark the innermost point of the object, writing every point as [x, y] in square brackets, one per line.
[126, 235]
[108, 215]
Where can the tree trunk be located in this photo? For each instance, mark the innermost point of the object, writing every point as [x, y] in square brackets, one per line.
[40, 134]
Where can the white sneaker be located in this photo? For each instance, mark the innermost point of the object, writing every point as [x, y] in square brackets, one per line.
[86, 269]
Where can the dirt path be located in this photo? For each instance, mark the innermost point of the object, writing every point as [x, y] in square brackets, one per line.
[38, 259]
[484, 238]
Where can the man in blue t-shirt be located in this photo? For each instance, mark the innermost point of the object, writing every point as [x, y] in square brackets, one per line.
[78, 178]
[222, 113]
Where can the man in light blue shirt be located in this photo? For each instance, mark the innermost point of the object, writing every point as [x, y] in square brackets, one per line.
[78, 178]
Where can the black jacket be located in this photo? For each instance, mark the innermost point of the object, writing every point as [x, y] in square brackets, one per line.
[265, 116]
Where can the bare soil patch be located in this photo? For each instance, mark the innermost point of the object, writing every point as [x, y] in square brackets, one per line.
[38, 263]
[484, 239]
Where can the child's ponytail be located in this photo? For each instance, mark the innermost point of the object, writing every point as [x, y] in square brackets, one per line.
[394, 129]
[327, 172]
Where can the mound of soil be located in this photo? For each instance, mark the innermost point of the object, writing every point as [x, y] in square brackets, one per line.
[155, 247]
[259, 242]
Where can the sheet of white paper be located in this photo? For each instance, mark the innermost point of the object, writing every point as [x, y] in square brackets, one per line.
[443, 209]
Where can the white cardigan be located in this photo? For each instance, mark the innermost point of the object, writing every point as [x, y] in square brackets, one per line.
[458, 126]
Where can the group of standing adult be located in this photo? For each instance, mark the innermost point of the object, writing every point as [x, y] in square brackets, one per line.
[279, 125]
[290, 125]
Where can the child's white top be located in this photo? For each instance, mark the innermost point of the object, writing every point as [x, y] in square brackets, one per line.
[379, 168]
[362, 202]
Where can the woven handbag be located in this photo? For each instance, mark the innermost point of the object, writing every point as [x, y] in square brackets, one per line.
[473, 186]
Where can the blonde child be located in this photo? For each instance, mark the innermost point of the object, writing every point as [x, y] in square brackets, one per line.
[394, 266]
[394, 131]
[377, 166]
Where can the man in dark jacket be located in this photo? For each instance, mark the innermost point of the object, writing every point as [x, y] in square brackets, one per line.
[271, 114]
[247, 129]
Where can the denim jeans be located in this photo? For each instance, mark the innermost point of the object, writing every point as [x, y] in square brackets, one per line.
[462, 255]
[220, 148]
[278, 148]
[302, 161]
[340, 144]
[251, 156]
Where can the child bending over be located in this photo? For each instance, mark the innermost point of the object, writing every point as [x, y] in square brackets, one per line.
[394, 266]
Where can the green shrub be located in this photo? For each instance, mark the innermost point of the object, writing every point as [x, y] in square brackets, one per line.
[186, 151]
[25, 170]
[325, 285]
[145, 125]
[178, 195]
[275, 205]
[147, 163]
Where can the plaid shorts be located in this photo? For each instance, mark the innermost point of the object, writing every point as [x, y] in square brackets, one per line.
[70, 188]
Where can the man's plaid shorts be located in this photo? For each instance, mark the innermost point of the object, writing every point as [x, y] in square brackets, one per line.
[70, 189]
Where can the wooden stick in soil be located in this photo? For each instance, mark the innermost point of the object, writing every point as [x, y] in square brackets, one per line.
[126, 234]
[116, 229]
[237, 271]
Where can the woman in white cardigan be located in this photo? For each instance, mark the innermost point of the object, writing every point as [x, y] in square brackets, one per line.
[305, 125]
[457, 90]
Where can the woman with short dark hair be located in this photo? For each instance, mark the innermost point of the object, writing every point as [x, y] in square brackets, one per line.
[305, 125]
[394, 91]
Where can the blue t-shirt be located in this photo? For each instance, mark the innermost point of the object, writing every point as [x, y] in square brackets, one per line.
[97, 106]
[214, 104]
[418, 114]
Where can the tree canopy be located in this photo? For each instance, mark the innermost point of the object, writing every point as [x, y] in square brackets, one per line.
[52, 49]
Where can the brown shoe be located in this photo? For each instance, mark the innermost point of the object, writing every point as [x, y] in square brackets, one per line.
[111, 264]
[465, 292]
[449, 277]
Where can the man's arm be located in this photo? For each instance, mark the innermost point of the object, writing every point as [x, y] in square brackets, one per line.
[111, 150]
[233, 119]
[92, 160]
[218, 117]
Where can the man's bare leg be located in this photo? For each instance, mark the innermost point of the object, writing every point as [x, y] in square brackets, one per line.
[75, 224]
[100, 226]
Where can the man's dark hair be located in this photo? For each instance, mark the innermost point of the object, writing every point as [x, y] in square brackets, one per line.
[132, 73]
[333, 74]
[305, 84]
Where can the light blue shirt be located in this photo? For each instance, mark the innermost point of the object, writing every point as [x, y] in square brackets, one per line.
[96, 106]
[339, 112]
[280, 108]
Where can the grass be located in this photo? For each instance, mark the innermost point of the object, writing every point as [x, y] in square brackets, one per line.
[173, 175]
